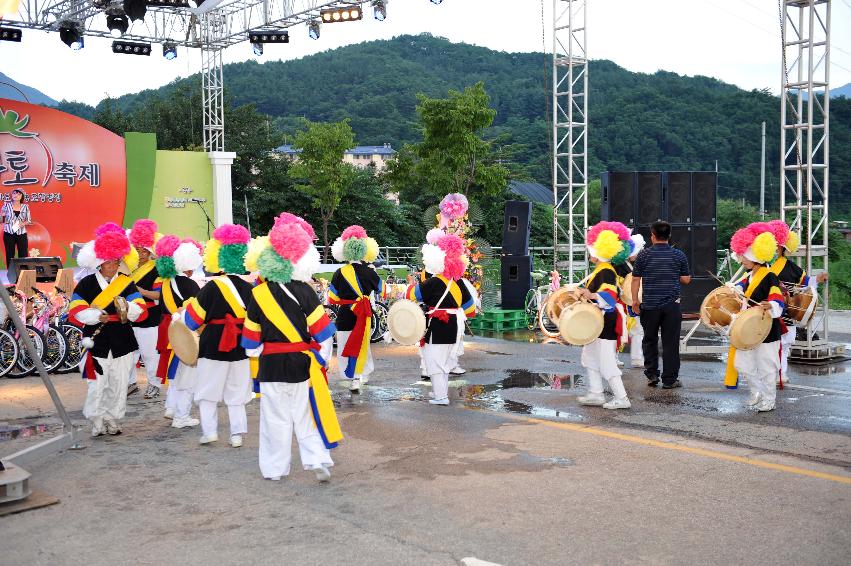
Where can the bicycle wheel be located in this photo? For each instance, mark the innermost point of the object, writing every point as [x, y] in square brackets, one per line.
[25, 365]
[56, 348]
[8, 352]
[379, 322]
[74, 337]
[532, 307]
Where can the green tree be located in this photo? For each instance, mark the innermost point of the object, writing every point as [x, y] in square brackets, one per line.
[323, 175]
[732, 215]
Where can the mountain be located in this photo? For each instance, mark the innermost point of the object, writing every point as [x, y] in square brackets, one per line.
[638, 121]
[844, 90]
[12, 90]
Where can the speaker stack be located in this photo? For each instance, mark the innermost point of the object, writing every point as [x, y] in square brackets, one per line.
[686, 200]
[516, 276]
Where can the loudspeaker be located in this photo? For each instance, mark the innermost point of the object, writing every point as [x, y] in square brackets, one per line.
[618, 197]
[516, 280]
[677, 196]
[704, 188]
[45, 268]
[681, 238]
[649, 196]
[694, 293]
[704, 250]
[517, 227]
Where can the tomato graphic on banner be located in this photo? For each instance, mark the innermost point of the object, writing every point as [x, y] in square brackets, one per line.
[73, 172]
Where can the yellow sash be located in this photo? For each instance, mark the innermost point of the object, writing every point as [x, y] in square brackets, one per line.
[105, 297]
[454, 290]
[238, 310]
[731, 376]
[168, 296]
[348, 273]
[143, 270]
[778, 265]
[324, 406]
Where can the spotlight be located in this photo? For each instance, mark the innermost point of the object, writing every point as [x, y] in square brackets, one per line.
[131, 48]
[269, 36]
[69, 33]
[117, 23]
[342, 15]
[135, 9]
[313, 29]
[10, 34]
[258, 49]
[379, 10]
[170, 51]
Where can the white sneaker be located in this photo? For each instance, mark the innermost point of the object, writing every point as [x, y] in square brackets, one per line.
[354, 385]
[276, 478]
[97, 429]
[620, 364]
[439, 401]
[236, 440]
[209, 439]
[754, 399]
[458, 371]
[111, 427]
[364, 379]
[637, 363]
[618, 404]
[592, 400]
[764, 406]
[183, 423]
[169, 414]
[322, 474]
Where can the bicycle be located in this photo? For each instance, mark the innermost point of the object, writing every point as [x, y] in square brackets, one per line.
[24, 364]
[73, 335]
[8, 346]
[44, 317]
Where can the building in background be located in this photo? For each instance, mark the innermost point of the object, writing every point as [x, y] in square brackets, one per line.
[360, 156]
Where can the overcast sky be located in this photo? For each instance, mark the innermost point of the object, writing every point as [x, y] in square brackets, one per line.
[735, 41]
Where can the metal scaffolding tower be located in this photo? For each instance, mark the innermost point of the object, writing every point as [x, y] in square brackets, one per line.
[570, 138]
[212, 82]
[804, 137]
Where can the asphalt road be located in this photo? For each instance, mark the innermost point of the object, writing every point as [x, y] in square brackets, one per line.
[513, 472]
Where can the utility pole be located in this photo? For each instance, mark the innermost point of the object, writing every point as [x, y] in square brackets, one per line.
[762, 177]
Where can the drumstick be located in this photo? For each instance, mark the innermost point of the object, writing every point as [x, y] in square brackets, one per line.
[751, 301]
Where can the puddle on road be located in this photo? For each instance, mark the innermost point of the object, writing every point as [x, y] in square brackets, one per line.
[8, 432]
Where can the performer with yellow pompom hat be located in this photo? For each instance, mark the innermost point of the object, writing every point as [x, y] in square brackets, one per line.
[353, 288]
[607, 242]
[223, 369]
[753, 247]
[286, 327]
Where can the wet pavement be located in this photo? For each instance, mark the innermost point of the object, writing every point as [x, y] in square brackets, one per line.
[502, 474]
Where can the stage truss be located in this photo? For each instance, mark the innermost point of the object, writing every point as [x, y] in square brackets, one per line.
[570, 138]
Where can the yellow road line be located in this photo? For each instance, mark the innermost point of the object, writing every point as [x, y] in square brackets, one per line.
[587, 429]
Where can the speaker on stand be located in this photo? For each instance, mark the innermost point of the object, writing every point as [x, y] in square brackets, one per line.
[516, 263]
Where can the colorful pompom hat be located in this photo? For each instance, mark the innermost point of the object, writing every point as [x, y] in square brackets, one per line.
[354, 245]
[785, 236]
[286, 254]
[446, 257]
[110, 243]
[187, 256]
[225, 251]
[144, 234]
[611, 242]
[755, 242]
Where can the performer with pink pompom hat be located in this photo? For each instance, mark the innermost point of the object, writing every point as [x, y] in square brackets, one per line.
[108, 335]
[286, 327]
[223, 370]
[143, 236]
[353, 288]
[450, 304]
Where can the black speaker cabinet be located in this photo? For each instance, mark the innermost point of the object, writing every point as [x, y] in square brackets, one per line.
[649, 196]
[704, 250]
[694, 293]
[618, 197]
[681, 238]
[45, 268]
[704, 189]
[516, 280]
[517, 228]
[677, 196]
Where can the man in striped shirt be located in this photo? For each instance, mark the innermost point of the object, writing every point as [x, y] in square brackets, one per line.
[660, 270]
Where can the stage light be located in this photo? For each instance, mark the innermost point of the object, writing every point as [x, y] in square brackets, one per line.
[69, 33]
[341, 15]
[10, 34]
[135, 9]
[269, 36]
[117, 23]
[379, 10]
[258, 49]
[313, 29]
[170, 51]
[131, 48]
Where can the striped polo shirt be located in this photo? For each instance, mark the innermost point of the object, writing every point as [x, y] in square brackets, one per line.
[660, 268]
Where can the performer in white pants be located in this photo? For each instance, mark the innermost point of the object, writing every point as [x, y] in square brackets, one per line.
[143, 236]
[636, 331]
[223, 369]
[110, 342]
[285, 326]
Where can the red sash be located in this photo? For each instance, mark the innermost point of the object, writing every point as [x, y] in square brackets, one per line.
[287, 347]
[230, 333]
[362, 310]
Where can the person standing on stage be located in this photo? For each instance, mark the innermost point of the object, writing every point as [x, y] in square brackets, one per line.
[16, 218]
[223, 369]
[449, 305]
[143, 236]
[353, 288]
[793, 278]
[659, 272]
[607, 243]
[110, 341]
[754, 247]
[286, 327]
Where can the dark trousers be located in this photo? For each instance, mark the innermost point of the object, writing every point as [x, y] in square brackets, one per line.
[12, 242]
[669, 320]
